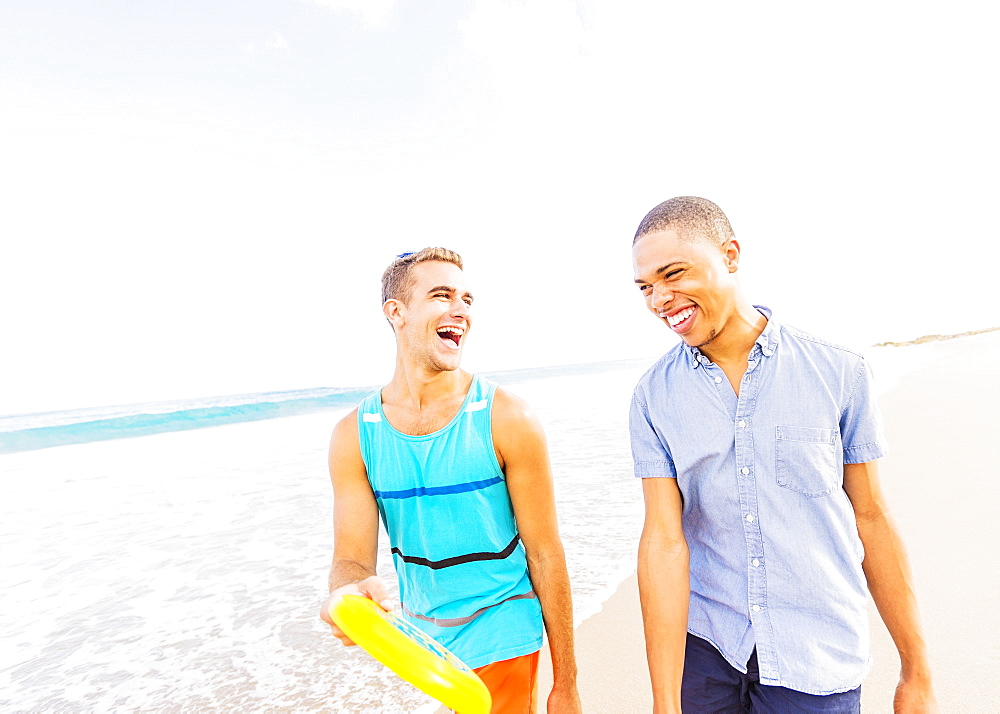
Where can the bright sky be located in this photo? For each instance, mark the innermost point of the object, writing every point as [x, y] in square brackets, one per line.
[199, 198]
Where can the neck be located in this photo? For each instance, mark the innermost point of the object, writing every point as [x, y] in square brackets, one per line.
[415, 385]
[736, 340]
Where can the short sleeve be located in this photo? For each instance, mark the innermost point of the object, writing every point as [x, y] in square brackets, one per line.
[650, 455]
[861, 423]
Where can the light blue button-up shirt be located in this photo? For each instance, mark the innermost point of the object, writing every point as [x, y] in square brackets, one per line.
[775, 553]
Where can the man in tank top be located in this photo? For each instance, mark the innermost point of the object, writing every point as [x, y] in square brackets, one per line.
[458, 472]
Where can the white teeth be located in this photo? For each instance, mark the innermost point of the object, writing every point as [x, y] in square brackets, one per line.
[672, 320]
[458, 332]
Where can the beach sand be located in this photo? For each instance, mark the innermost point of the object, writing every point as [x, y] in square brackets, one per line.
[940, 481]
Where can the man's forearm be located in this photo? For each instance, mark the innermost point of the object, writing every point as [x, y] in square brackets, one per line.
[346, 572]
[664, 591]
[891, 584]
[550, 580]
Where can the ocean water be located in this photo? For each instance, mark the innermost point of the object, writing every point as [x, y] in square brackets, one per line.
[27, 432]
[182, 569]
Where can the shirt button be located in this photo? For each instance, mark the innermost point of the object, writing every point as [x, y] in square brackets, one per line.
[742, 424]
[749, 518]
[744, 470]
[755, 608]
[756, 563]
[768, 353]
[718, 379]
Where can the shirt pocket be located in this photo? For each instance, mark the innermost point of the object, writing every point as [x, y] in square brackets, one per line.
[807, 460]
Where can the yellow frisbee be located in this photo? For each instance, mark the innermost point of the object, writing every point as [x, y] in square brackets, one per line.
[412, 654]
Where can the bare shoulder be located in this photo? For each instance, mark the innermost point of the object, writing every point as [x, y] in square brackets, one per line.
[517, 434]
[345, 444]
[346, 430]
[513, 414]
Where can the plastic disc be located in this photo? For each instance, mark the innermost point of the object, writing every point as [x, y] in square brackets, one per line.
[411, 654]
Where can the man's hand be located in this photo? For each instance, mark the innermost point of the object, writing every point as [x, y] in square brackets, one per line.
[914, 696]
[372, 588]
[564, 700]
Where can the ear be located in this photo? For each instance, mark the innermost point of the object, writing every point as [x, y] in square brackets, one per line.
[393, 311]
[731, 251]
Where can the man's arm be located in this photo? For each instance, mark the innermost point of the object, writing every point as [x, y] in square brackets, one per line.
[523, 455]
[355, 524]
[664, 590]
[891, 585]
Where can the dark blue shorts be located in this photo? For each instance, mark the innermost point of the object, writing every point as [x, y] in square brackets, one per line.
[713, 686]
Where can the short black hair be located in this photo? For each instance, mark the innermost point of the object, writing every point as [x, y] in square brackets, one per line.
[692, 217]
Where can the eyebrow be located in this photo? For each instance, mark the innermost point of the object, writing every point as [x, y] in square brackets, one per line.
[661, 271]
[448, 289]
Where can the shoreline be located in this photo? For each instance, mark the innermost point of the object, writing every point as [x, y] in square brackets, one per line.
[924, 339]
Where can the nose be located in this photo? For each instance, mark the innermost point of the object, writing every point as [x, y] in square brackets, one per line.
[662, 294]
[460, 308]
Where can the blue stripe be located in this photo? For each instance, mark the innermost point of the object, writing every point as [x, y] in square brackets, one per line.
[439, 490]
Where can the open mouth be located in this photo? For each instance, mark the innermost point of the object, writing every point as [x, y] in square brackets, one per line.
[682, 319]
[451, 335]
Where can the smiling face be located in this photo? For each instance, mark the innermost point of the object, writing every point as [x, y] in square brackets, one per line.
[688, 284]
[432, 322]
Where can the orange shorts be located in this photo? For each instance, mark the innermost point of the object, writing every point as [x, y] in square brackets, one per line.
[513, 684]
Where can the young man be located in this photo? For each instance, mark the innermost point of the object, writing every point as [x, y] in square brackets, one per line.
[765, 525]
[458, 471]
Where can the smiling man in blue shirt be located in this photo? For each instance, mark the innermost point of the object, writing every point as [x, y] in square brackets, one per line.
[765, 526]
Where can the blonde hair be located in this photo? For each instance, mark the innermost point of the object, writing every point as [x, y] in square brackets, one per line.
[396, 282]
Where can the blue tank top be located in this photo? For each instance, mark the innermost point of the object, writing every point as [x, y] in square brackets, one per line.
[463, 574]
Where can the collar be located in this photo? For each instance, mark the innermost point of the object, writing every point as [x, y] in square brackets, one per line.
[766, 343]
[768, 339]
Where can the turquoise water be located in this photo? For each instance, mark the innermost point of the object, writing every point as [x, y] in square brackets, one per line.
[28, 432]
